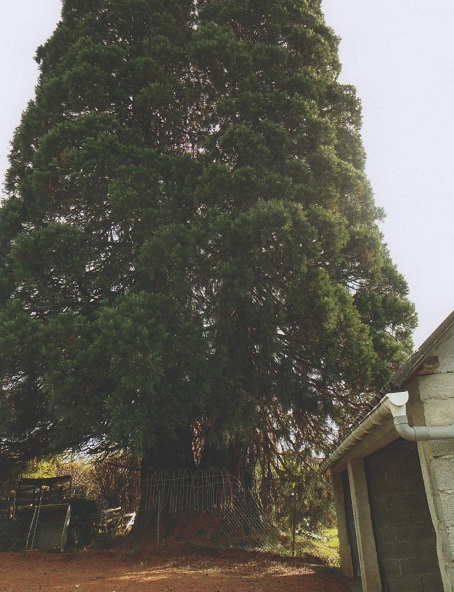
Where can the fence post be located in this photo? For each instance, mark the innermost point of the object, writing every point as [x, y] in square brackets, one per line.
[293, 494]
[159, 517]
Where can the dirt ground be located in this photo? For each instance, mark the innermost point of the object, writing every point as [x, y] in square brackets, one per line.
[162, 570]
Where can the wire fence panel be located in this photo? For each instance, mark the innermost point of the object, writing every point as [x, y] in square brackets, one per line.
[239, 519]
[201, 491]
[207, 507]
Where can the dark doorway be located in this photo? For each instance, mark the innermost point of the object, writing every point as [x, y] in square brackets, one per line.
[404, 533]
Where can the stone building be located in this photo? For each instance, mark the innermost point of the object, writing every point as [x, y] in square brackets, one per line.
[393, 478]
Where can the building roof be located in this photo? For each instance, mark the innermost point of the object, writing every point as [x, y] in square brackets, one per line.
[413, 365]
[420, 362]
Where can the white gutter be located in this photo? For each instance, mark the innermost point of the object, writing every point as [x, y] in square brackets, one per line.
[392, 404]
[378, 415]
[397, 404]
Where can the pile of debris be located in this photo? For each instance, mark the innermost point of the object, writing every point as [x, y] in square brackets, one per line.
[50, 516]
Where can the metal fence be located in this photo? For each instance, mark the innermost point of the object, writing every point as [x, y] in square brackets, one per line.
[203, 507]
[216, 506]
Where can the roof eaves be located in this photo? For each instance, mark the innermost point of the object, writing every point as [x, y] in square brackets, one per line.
[407, 371]
[396, 383]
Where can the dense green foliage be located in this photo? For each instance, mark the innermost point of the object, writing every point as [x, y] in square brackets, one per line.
[189, 238]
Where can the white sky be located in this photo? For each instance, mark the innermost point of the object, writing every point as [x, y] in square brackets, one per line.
[399, 56]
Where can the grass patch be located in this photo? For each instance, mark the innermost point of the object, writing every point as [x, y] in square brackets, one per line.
[322, 548]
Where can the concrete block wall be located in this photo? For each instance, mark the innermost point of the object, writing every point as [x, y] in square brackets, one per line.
[437, 459]
[404, 533]
[435, 392]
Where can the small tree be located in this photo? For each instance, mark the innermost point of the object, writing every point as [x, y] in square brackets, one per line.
[295, 493]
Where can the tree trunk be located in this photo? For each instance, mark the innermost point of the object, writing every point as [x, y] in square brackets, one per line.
[169, 453]
[234, 458]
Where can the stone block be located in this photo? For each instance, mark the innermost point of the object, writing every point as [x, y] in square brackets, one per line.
[396, 517]
[450, 575]
[442, 447]
[444, 504]
[416, 532]
[440, 411]
[386, 532]
[446, 541]
[406, 532]
[383, 502]
[417, 565]
[442, 473]
[391, 569]
[417, 507]
[432, 583]
[407, 549]
[425, 547]
[436, 387]
[389, 551]
[409, 583]
[448, 545]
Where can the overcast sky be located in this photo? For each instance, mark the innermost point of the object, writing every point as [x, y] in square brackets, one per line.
[399, 54]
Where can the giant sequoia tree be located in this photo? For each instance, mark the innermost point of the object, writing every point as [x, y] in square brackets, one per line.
[189, 245]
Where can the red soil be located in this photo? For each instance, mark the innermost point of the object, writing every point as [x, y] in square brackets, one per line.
[167, 568]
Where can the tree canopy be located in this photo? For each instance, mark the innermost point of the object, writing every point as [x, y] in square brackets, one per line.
[189, 245]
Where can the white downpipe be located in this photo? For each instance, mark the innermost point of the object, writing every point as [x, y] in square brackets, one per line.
[397, 405]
